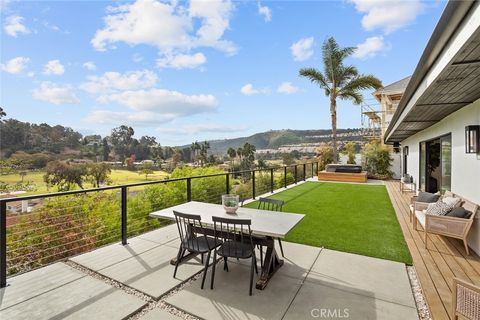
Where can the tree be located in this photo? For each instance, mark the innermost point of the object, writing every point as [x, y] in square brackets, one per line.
[147, 169]
[106, 149]
[325, 156]
[349, 150]
[339, 81]
[262, 164]
[247, 156]
[288, 159]
[122, 139]
[204, 152]
[376, 160]
[64, 175]
[232, 154]
[98, 173]
[2, 113]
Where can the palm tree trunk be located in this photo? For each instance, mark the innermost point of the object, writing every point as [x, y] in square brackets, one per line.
[333, 114]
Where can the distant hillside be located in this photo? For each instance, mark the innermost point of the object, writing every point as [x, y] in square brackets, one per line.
[276, 138]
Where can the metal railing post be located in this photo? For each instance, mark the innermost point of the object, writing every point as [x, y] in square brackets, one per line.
[227, 183]
[3, 244]
[253, 184]
[271, 180]
[295, 174]
[312, 169]
[189, 189]
[285, 177]
[124, 215]
[304, 171]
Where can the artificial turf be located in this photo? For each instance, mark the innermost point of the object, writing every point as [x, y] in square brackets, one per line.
[346, 217]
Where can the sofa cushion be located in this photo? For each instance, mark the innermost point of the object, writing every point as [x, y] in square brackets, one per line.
[420, 217]
[454, 202]
[459, 212]
[439, 208]
[427, 197]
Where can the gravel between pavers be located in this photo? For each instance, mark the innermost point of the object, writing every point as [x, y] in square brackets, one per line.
[152, 303]
[422, 307]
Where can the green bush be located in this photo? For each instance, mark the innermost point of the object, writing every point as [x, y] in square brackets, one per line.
[376, 160]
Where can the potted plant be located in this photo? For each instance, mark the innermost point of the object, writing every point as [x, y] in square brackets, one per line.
[230, 203]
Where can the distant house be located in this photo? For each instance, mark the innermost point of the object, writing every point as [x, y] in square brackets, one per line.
[437, 122]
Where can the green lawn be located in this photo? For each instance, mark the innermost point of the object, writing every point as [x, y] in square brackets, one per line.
[346, 217]
[116, 176]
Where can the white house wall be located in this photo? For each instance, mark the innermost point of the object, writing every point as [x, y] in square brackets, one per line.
[465, 167]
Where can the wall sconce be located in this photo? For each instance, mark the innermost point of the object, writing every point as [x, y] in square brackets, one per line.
[405, 151]
[396, 147]
[472, 139]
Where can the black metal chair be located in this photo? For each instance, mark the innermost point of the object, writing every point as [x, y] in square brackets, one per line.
[193, 238]
[272, 205]
[236, 238]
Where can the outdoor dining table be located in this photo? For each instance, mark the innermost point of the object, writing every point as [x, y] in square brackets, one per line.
[266, 226]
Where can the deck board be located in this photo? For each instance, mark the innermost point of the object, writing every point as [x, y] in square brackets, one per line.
[437, 264]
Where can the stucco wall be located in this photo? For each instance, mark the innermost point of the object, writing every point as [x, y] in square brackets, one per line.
[465, 167]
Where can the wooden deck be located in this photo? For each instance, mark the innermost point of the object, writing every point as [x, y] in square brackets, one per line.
[437, 264]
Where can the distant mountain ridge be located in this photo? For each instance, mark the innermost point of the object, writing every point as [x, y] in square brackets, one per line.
[274, 139]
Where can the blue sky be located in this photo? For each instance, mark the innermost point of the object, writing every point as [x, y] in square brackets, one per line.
[184, 71]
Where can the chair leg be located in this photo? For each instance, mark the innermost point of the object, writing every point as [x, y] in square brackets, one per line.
[213, 268]
[206, 268]
[256, 268]
[251, 274]
[201, 258]
[466, 246]
[181, 251]
[225, 265]
[281, 248]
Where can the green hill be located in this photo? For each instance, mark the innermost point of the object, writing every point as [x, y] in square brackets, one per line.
[276, 138]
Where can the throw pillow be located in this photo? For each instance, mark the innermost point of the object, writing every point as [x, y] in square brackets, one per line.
[427, 197]
[439, 208]
[459, 212]
[454, 202]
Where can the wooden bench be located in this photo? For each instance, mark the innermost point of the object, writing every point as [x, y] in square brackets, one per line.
[343, 176]
[445, 225]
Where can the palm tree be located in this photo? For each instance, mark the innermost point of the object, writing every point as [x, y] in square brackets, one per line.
[339, 81]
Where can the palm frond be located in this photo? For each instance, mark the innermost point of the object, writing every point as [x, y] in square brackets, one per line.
[362, 82]
[316, 77]
[355, 96]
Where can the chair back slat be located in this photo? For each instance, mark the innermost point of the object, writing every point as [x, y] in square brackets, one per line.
[270, 204]
[190, 228]
[235, 232]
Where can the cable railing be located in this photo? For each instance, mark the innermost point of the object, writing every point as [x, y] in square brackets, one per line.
[64, 224]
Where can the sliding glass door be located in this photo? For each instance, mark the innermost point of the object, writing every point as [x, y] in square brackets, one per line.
[436, 164]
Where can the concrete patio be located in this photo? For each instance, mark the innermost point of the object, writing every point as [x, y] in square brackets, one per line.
[312, 282]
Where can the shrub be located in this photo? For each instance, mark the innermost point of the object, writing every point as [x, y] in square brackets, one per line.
[376, 160]
[325, 156]
[349, 150]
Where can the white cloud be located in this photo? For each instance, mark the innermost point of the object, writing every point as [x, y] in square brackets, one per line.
[170, 27]
[115, 81]
[302, 49]
[14, 26]
[54, 67]
[15, 65]
[163, 101]
[152, 106]
[90, 65]
[287, 88]
[388, 15]
[249, 90]
[131, 118]
[370, 48]
[265, 12]
[201, 128]
[55, 93]
[182, 61]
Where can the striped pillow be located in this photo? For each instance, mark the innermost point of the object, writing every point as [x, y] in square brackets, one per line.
[439, 208]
